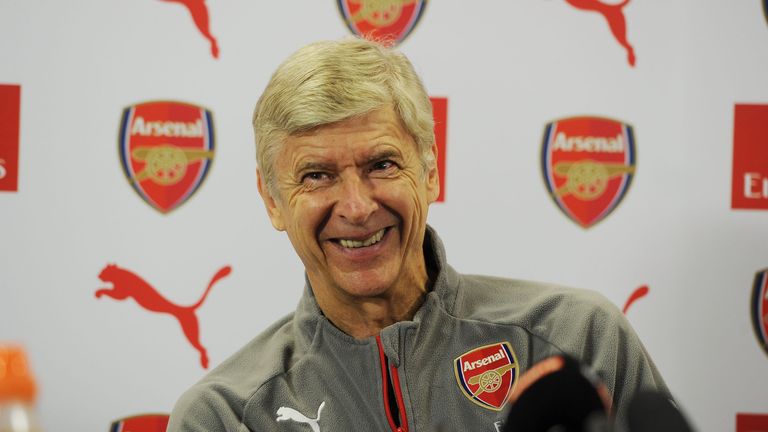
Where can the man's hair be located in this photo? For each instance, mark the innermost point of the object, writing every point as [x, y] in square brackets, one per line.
[330, 81]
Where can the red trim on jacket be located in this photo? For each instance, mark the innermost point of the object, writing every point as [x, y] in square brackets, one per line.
[398, 391]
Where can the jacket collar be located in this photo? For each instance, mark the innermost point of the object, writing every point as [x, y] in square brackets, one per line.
[443, 293]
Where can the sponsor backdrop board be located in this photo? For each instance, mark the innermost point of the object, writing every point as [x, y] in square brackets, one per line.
[611, 145]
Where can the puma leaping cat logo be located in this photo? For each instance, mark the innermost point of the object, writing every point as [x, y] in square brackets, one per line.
[199, 12]
[127, 284]
[614, 14]
[285, 413]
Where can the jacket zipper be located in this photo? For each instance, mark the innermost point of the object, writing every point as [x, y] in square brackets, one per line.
[398, 391]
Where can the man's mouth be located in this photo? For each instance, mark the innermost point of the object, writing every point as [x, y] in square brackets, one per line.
[370, 241]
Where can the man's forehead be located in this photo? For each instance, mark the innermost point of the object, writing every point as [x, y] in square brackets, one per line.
[360, 153]
[381, 119]
[361, 137]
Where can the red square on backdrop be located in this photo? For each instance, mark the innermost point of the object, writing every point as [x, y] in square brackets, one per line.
[749, 186]
[751, 422]
[440, 114]
[10, 100]
[141, 423]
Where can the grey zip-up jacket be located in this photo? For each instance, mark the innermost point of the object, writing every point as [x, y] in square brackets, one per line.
[305, 374]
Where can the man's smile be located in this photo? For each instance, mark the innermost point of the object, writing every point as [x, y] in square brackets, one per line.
[354, 244]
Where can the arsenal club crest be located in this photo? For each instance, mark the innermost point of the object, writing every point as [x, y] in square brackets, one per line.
[486, 375]
[382, 20]
[142, 423]
[588, 164]
[166, 150]
[759, 307]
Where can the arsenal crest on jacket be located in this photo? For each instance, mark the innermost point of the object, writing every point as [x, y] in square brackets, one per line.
[487, 374]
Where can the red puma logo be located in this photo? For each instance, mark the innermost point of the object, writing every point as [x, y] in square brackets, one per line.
[200, 16]
[639, 293]
[128, 284]
[614, 14]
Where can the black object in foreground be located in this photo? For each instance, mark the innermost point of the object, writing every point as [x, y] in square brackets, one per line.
[558, 394]
[654, 412]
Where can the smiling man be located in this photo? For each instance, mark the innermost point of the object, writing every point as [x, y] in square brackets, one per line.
[387, 336]
[353, 197]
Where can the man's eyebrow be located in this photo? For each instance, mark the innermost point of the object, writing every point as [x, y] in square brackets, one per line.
[382, 154]
[313, 166]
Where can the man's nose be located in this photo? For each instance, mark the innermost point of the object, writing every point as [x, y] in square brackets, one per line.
[355, 202]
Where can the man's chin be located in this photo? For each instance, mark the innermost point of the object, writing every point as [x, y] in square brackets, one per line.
[362, 284]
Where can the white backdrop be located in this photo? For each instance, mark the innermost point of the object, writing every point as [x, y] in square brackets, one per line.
[507, 68]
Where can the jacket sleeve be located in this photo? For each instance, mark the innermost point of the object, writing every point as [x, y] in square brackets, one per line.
[614, 351]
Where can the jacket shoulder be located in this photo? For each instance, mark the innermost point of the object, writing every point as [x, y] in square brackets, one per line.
[527, 303]
[218, 400]
[578, 322]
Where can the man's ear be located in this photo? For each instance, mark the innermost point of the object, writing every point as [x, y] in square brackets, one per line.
[275, 216]
[433, 178]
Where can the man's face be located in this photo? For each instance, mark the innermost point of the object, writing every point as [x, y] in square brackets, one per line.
[353, 198]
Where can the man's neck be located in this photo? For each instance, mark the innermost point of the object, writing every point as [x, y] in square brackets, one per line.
[362, 317]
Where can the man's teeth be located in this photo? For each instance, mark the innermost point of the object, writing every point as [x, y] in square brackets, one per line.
[367, 242]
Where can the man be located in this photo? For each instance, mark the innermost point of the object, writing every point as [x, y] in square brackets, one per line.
[387, 335]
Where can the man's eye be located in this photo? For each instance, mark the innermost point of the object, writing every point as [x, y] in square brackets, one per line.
[383, 165]
[315, 177]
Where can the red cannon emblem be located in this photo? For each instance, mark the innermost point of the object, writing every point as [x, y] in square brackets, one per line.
[487, 374]
[389, 21]
[166, 149]
[588, 164]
